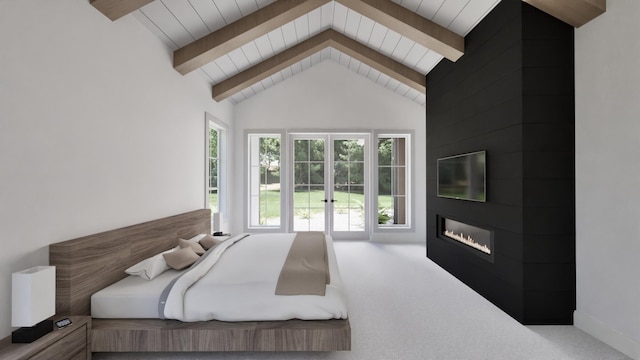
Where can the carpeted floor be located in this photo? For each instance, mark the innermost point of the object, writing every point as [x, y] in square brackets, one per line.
[403, 306]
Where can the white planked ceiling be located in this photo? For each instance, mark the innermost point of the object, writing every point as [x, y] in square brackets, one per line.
[180, 22]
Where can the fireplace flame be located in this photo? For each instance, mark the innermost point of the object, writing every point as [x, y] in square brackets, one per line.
[468, 240]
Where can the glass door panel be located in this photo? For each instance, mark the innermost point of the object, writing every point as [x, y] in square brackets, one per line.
[309, 185]
[349, 197]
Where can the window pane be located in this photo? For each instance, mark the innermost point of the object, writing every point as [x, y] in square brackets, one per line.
[356, 173]
[341, 174]
[316, 173]
[264, 185]
[301, 196]
[384, 181]
[213, 200]
[301, 173]
[214, 168]
[316, 150]
[400, 206]
[348, 150]
[340, 150]
[356, 150]
[213, 173]
[213, 143]
[399, 181]
[385, 210]
[384, 151]
[392, 180]
[357, 195]
[301, 150]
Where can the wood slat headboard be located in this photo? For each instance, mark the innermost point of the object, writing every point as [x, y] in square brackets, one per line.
[90, 263]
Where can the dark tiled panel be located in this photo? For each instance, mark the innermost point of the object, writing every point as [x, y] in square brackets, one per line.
[511, 95]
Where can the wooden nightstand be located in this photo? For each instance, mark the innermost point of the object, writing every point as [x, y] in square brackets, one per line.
[72, 342]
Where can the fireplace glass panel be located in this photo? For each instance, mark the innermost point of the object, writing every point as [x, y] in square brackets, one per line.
[474, 237]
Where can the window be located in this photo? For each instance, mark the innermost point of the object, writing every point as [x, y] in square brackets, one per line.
[214, 166]
[264, 180]
[215, 189]
[393, 181]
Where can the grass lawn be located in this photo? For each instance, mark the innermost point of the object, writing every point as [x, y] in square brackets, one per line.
[313, 199]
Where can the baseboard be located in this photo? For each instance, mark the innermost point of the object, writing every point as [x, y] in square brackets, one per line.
[606, 334]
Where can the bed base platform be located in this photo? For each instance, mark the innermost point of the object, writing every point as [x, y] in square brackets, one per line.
[88, 264]
[148, 335]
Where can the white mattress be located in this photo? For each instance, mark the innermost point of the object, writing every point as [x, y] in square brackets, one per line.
[244, 291]
[131, 297]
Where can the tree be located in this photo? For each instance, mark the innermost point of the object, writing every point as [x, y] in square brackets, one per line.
[309, 161]
[349, 165]
[270, 160]
[385, 158]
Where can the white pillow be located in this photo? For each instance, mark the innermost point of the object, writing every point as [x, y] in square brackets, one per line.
[151, 267]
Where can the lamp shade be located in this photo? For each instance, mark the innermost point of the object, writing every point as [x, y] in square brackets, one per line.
[215, 222]
[33, 295]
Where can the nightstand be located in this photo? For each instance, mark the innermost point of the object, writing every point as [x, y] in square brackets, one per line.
[72, 342]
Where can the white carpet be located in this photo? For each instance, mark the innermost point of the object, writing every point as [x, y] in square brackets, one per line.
[404, 306]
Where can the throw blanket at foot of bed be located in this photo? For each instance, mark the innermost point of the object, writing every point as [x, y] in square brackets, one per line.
[306, 269]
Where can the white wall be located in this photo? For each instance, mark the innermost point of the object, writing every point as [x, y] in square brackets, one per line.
[97, 131]
[608, 175]
[329, 96]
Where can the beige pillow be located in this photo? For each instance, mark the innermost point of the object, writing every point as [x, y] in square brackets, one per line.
[197, 237]
[209, 242]
[181, 259]
[192, 244]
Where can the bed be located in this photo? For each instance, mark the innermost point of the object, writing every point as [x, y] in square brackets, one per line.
[88, 265]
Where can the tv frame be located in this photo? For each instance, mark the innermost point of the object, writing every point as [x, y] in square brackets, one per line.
[484, 181]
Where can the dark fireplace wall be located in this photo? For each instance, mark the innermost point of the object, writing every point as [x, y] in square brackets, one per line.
[512, 95]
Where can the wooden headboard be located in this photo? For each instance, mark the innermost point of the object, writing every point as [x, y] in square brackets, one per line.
[90, 263]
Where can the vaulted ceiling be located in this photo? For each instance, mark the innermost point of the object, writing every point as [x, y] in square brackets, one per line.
[243, 47]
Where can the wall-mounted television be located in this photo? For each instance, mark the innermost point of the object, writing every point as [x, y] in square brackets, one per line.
[463, 176]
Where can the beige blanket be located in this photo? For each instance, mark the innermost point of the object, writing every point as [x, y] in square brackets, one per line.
[306, 269]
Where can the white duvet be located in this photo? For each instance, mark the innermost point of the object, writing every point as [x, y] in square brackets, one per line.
[237, 281]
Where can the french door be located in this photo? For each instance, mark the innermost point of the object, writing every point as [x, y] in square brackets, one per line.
[329, 190]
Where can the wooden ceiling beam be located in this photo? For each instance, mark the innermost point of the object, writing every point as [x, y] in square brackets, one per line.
[115, 9]
[271, 66]
[240, 32]
[574, 12]
[407, 23]
[328, 38]
[380, 62]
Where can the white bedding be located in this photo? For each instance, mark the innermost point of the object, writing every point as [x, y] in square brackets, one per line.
[131, 297]
[239, 287]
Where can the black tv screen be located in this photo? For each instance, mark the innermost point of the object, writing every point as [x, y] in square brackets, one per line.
[463, 176]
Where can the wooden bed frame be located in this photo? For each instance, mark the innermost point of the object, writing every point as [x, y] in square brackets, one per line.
[88, 264]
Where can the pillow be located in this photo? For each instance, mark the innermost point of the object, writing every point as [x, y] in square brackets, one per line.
[197, 237]
[209, 242]
[150, 267]
[192, 244]
[181, 259]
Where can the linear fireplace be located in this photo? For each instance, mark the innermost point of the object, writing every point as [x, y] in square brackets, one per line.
[474, 239]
